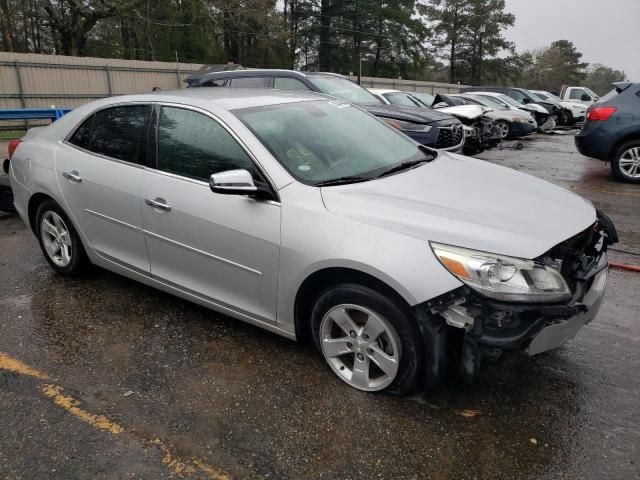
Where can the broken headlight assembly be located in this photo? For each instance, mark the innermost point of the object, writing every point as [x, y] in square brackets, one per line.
[407, 126]
[503, 278]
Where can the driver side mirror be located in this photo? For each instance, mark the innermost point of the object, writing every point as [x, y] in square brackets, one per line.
[586, 98]
[526, 100]
[233, 182]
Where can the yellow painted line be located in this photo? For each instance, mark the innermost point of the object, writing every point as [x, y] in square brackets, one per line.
[188, 466]
[180, 466]
[70, 404]
[16, 366]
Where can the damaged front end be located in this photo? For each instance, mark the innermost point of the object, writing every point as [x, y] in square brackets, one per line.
[483, 326]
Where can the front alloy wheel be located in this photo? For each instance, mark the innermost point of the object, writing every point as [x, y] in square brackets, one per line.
[360, 346]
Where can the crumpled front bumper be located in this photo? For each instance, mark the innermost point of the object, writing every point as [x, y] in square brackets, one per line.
[557, 332]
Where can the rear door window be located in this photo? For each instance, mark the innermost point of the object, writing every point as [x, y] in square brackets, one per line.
[248, 82]
[82, 136]
[117, 132]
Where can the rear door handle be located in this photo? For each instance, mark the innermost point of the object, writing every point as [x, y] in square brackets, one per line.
[158, 203]
[72, 176]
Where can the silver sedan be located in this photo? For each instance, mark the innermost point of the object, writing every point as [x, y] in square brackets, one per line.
[308, 217]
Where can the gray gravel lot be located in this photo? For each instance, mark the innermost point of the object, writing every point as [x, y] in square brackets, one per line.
[101, 377]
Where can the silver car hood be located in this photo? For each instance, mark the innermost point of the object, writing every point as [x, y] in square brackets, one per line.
[466, 202]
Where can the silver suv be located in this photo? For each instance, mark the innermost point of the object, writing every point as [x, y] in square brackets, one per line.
[308, 217]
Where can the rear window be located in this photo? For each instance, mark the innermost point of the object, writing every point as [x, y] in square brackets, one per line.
[609, 96]
[118, 132]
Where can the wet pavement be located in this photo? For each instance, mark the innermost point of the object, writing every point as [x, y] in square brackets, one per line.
[101, 377]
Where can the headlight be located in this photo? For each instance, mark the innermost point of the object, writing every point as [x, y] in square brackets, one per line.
[519, 120]
[504, 278]
[409, 126]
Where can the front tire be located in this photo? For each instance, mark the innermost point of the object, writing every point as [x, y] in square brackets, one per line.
[626, 162]
[369, 341]
[59, 240]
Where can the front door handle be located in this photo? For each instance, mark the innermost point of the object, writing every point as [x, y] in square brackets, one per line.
[72, 176]
[158, 203]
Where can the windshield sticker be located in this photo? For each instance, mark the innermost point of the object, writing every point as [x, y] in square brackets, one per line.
[339, 104]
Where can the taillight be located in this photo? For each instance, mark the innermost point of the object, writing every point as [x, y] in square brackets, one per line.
[13, 144]
[600, 114]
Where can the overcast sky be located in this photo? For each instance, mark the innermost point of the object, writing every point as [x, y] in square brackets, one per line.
[605, 31]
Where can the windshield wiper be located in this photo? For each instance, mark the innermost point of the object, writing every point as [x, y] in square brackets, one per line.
[404, 166]
[341, 181]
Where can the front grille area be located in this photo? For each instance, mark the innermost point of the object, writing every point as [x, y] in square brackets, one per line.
[449, 136]
[579, 254]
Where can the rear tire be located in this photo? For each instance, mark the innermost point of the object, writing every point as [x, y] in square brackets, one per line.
[341, 339]
[59, 240]
[626, 162]
[6, 200]
[504, 128]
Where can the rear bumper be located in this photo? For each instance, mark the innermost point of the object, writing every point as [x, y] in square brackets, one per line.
[591, 142]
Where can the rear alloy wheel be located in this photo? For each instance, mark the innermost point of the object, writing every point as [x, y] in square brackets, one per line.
[503, 128]
[59, 241]
[370, 341]
[626, 163]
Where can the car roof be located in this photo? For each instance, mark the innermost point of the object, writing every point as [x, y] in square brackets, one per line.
[200, 78]
[225, 98]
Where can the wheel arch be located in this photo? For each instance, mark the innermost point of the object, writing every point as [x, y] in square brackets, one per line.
[320, 280]
[35, 201]
[622, 140]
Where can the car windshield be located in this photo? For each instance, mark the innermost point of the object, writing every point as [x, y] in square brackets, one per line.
[344, 89]
[320, 141]
[592, 93]
[403, 99]
[553, 97]
[510, 101]
[489, 102]
[425, 98]
[537, 97]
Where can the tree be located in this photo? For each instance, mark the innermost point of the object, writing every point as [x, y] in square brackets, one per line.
[72, 20]
[466, 32]
[554, 66]
[599, 78]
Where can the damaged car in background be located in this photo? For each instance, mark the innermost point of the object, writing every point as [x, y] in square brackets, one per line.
[541, 115]
[306, 216]
[480, 131]
[509, 123]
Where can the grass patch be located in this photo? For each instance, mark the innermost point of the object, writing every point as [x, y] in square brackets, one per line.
[11, 134]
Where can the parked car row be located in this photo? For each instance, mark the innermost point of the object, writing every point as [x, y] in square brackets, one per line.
[467, 130]
[304, 215]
